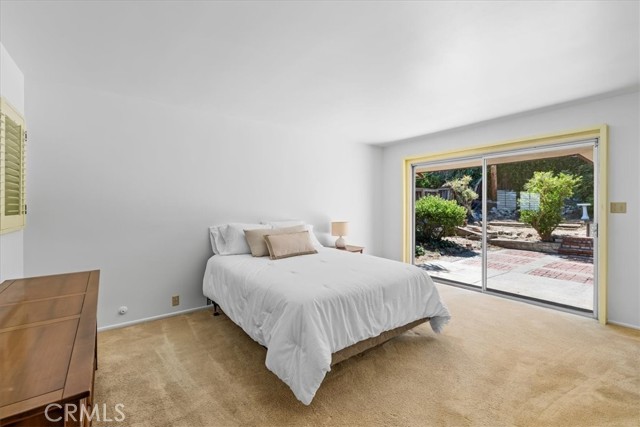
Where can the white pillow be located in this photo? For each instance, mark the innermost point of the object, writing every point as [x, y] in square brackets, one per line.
[284, 223]
[235, 243]
[293, 222]
[215, 235]
[228, 239]
[314, 240]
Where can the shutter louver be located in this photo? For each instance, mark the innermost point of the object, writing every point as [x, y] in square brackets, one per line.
[13, 168]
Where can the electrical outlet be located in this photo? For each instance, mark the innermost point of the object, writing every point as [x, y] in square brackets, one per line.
[618, 207]
[175, 300]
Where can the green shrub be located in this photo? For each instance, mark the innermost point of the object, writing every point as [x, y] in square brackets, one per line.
[553, 191]
[420, 251]
[437, 218]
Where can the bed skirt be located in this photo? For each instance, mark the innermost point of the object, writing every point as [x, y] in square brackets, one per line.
[369, 343]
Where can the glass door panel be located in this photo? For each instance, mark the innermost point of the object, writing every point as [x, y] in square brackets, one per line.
[447, 220]
[539, 216]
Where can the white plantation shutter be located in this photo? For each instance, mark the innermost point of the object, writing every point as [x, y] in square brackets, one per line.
[12, 165]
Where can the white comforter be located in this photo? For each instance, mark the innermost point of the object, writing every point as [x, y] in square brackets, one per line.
[305, 308]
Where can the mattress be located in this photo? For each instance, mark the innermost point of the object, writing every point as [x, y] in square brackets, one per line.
[305, 308]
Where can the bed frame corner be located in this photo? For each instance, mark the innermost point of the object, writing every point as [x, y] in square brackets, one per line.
[216, 307]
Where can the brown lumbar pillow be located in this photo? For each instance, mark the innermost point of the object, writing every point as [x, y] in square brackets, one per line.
[255, 238]
[289, 244]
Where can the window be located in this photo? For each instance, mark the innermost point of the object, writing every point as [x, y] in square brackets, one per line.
[12, 166]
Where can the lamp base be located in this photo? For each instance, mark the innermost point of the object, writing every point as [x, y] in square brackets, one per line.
[340, 243]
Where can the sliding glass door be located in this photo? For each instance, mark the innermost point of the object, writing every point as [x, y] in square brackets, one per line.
[447, 217]
[540, 216]
[520, 223]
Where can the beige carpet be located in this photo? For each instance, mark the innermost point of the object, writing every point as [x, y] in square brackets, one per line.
[498, 363]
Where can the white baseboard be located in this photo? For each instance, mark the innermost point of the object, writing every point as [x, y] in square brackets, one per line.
[149, 319]
[626, 325]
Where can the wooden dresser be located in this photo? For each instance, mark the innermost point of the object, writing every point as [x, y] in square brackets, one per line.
[48, 348]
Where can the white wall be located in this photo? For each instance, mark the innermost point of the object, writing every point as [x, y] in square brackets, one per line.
[11, 244]
[620, 112]
[130, 187]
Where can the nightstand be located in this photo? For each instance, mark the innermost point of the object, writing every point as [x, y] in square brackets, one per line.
[352, 248]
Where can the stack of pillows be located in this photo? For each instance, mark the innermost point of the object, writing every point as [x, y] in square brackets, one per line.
[277, 239]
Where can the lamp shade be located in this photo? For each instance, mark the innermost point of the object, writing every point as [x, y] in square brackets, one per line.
[340, 228]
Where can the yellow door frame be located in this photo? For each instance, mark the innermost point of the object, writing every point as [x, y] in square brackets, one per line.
[601, 132]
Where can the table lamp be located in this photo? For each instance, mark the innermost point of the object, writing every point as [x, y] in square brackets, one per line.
[341, 229]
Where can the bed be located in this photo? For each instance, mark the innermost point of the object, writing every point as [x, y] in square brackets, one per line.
[313, 311]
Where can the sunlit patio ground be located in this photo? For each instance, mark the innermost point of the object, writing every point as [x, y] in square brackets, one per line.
[557, 278]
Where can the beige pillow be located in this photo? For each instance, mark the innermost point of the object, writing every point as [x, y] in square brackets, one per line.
[289, 244]
[255, 238]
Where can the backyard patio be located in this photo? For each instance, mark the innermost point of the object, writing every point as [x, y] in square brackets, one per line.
[562, 279]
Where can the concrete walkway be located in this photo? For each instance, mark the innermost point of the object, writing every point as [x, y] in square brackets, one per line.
[556, 278]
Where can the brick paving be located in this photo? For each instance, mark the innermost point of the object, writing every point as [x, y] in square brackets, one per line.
[561, 275]
[576, 267]
[508, 260]
[528, 254]
[491, 264]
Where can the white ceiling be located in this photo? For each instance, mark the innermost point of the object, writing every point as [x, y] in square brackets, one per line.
[353, 71]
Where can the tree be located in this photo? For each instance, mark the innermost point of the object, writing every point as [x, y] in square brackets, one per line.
[437, 178]
[553, 190]
[463, 194]
[437, 218]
